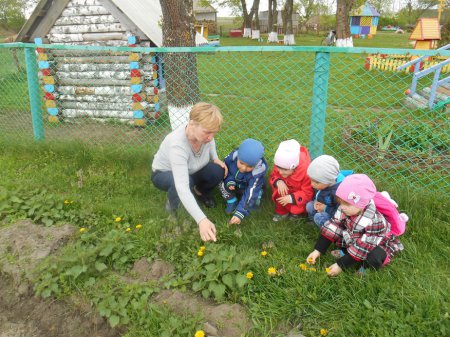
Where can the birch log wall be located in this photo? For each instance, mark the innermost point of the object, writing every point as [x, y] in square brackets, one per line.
[96, 84]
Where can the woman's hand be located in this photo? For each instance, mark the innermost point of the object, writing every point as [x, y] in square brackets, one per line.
[282, 188]
[222, 165]
[311, 259]
[234, 221]
[334, 270]
[207, 230]
[287, 199]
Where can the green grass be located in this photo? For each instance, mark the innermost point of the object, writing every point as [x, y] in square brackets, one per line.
[407, 298]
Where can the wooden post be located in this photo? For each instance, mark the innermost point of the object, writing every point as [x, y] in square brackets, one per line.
[34, 93]
[319, 104]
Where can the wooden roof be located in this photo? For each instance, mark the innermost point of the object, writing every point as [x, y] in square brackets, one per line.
[140, 17]
[426, 29]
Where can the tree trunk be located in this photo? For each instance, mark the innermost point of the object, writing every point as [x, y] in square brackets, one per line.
[343, 36]
[272, 22]
[180, 68]
[254, 12]
[287, 23]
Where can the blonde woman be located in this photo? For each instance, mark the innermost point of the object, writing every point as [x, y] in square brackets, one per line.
[187, 167]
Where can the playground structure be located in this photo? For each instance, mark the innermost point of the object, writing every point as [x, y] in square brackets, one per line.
[364, 21]
[391, 62]
[203, 39]
[426, 34]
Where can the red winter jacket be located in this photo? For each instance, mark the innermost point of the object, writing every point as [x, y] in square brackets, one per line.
[298, 182]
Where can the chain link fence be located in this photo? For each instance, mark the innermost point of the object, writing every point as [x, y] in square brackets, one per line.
[341, 102]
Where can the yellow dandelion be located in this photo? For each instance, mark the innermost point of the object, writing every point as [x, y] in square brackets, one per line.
[272, 271]
[249, 275]
[82, 230]
[128, 229]
[66, 202]
[310, 260]
[199, 333]
[312, 269]
[263, 253]
[327, 269]
[200, 253]
[202, 248]
[118, 219]
[303, 266]
[138, 226]
[323, 332]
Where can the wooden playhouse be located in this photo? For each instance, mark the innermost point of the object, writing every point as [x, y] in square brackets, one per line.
[364, 21]
[97, 84]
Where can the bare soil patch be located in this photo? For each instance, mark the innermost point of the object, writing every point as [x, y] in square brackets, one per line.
[22, 314]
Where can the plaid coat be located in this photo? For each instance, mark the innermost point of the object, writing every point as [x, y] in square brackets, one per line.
[362, 233]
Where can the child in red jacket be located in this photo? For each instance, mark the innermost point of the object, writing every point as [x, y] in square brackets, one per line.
[291, 186]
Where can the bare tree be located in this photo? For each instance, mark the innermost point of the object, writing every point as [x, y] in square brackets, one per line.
[287, 22]
[343, 36]
[272, 22]
[255, 30]
[248, 17]
[180, 68]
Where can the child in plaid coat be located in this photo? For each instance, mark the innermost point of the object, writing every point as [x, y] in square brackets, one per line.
[357, 228]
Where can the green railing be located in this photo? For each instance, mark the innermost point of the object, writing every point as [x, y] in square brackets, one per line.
[327, 98]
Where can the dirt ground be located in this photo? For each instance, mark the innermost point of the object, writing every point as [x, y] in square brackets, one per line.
[22, 314]
[24, 244]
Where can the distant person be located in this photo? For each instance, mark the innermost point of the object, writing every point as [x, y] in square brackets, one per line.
[358, 228]
[243, 186]
[291, 186]
[187, 167]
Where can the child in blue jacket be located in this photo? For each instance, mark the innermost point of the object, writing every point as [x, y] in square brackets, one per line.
[325, 179]
[246, 178]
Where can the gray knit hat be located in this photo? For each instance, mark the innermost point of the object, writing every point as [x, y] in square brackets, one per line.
[324, 169]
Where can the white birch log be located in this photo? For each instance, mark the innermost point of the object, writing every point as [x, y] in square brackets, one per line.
[96, 98]
[88, 57]
[247, 32]
[91, 28]
[348, 42]
[273, 37]
[56, 38]
[81, 67]
[101, 105]
[117, 75]
[72, 113]
[105, 90]
[85, 10]
[85, 20]
[289, 40]
[178, 115]
[255, 35]
[112, 43]
[92, 82]
[76, 3]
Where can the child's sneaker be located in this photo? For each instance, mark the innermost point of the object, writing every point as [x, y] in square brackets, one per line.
[230, 207]
[279, 217]
[295, 217]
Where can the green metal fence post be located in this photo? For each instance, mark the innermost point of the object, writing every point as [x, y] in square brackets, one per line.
[319, 104]
[34, 93]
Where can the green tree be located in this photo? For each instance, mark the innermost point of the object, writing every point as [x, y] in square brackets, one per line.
[12, 14]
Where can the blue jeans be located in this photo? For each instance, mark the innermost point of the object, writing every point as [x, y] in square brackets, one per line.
[319, 218]
[204, 181]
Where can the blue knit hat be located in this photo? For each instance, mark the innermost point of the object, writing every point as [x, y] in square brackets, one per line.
[250, 152]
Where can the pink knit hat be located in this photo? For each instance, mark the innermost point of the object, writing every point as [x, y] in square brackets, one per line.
[357, 189]
[288, 154]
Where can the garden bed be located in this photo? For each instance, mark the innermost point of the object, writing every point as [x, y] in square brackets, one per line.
[394, 156]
